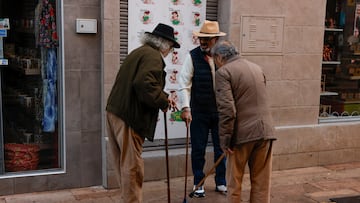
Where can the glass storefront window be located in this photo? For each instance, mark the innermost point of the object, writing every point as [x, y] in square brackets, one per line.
[30, 136]
[340, 96]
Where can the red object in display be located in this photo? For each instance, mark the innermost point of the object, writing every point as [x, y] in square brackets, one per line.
[21, 157]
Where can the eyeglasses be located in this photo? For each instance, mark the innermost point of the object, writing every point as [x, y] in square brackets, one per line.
[205, 39]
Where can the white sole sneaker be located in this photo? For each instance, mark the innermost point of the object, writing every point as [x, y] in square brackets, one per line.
[221, 188]
[200, 192]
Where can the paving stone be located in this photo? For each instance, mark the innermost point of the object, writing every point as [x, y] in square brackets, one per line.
[345, 166]
[282, 194]
[309, 188]
[338, 184]
[303, 185]
[93, 192]
[97, 200]
[326, 195]
[41, 197]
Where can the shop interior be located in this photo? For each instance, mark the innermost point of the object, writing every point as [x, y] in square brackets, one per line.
[29, 94]
[340, 95]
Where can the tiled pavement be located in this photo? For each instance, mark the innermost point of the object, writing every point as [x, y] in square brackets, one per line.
[305, 185]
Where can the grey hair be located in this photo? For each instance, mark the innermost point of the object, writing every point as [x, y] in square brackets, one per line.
[157, 42]
[225, 49]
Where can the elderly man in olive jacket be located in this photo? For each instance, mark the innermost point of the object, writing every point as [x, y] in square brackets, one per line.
[133, 106]
[245, 127]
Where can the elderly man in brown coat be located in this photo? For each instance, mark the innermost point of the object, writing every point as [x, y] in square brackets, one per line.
[245, 123]
[133, 106]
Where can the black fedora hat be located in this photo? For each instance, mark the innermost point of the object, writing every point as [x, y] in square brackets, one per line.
[166, 32]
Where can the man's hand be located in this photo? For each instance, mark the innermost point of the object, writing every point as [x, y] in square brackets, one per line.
[172, 105]
[186, 115]
[228, 151]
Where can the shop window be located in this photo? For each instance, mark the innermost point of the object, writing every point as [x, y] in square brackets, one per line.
[340, 95]
[30, 78]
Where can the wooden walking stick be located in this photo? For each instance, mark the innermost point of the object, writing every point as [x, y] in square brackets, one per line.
[167, 158]
[186, 159]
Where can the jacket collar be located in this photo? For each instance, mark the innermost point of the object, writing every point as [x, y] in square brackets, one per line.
[233, 59]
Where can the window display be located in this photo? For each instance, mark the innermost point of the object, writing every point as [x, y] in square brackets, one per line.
[340, 96]
[29, 90]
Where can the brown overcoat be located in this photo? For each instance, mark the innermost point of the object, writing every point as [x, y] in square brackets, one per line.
[242, 102]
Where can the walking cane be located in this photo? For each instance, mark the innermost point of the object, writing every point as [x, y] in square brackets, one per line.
[167, 158]
[186, 158]
[207, 174]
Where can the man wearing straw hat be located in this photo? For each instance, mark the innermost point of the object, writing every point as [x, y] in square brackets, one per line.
[133, 106]
[198, 105]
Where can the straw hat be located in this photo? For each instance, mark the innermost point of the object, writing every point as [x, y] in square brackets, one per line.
[209, 29]
[166, 32]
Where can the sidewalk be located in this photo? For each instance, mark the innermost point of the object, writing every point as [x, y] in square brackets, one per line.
[305, 185]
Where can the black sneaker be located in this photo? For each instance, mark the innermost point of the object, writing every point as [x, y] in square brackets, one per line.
[199, 192]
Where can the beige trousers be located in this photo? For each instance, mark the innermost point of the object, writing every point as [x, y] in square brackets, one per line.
[126, 149]
[258, 155]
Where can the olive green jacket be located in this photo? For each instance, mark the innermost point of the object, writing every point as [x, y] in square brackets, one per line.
[137, 94]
